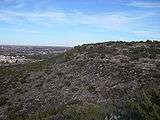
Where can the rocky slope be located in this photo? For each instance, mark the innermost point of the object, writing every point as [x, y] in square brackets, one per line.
[87, 74]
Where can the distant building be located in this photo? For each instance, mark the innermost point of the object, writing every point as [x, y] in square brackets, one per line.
[12, 59]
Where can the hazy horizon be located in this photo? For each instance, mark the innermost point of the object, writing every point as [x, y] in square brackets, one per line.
[34, 45]
[71, 23]
[37, 45]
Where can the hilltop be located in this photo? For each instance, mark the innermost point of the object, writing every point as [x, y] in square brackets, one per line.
[88, 82]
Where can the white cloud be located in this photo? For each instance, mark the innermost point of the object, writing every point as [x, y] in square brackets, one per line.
[147, 33]
[143, 4]
[50, 18]
[28, 31]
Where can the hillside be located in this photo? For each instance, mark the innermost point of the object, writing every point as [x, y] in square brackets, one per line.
[88, 82]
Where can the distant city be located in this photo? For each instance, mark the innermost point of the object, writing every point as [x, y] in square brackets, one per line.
[12, 54]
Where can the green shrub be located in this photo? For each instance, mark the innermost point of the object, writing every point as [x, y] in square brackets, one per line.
[80, 49]
[84, 112]
[148, 41]
[43, 115]
[149, 106]
[141, 52]
[77, 110]
[67, 56]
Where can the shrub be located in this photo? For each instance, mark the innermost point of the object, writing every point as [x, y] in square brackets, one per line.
[80, 49]
[13, 113]
[43, 115]
[59, 74]
[68, 56]
[148, 106]
[91, 89]
[67, 83]
[3, 101]
[140, 52]
[148, 41]
[19, 91]
[84, 112]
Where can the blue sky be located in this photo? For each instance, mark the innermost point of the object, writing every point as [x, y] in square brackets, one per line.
[74, 22]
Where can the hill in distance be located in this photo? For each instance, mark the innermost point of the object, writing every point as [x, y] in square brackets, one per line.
[103, 81]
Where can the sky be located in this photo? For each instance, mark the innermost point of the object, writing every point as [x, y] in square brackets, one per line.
[76, 22]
